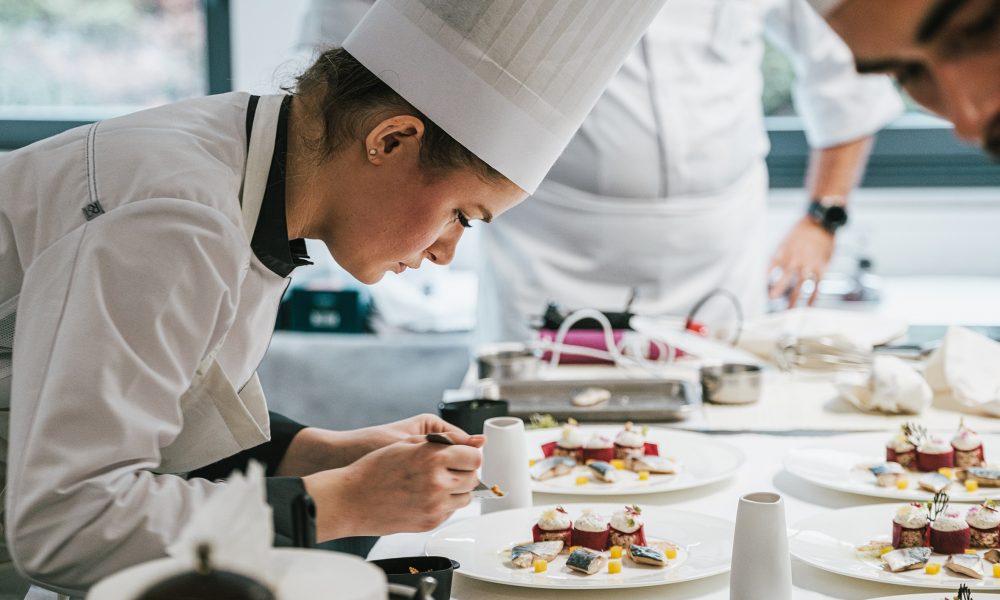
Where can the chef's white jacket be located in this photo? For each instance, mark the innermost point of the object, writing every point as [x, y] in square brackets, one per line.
[664, 187]
[141, 315]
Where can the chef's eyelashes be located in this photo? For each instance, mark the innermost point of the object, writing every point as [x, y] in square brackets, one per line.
[464, 220]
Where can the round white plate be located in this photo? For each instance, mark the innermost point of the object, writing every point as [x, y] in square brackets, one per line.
[479, 544]
[298, 573]
[828, 541]
[831, 463]
[701, 459]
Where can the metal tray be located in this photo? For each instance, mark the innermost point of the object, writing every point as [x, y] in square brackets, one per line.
[631, 399]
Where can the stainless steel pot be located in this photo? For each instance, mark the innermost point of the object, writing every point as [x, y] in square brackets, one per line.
[507, 363]
[731, 383]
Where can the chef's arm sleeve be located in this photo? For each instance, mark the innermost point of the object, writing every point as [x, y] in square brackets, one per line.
[269, 453]
[282, 492]
[113, 321]
[837, 105]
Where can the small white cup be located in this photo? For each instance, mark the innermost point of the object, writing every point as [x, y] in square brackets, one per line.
[761, 566]
[505, 463]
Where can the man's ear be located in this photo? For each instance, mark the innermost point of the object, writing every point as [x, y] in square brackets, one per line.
[393, 134]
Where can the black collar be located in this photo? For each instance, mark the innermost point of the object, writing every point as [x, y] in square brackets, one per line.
[270, 241]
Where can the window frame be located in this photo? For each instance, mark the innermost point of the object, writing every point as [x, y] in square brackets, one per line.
[16, 133]
[914, 152]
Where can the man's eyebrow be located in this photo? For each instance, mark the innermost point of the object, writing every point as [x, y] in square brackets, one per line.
[939, 15]
[876, 65]
[487, 215]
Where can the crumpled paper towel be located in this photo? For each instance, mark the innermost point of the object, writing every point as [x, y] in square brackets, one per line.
[893, 387]
[236, 523]
[967, 367]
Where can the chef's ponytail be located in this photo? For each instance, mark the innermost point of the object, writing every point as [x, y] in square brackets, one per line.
[351, 100]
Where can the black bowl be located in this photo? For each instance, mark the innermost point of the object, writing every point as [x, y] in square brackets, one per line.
[397, 570]
[469, 415]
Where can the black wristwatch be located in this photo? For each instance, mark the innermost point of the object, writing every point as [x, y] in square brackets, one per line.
[828, 212]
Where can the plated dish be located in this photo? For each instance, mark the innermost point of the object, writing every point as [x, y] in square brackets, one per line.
[911, 464]
[614, 460]
[933, 545]
[963, 593]
[588, 546]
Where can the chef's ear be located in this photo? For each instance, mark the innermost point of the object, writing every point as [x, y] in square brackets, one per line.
[393, 135]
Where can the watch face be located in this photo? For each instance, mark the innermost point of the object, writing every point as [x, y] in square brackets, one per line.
[835, 216]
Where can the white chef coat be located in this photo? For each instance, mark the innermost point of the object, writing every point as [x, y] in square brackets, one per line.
[109, 387]
[664, 187]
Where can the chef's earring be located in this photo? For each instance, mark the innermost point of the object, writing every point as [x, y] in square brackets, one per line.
[372, 152]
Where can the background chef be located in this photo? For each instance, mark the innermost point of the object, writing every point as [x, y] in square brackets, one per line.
[945, 53]
[664, 188]
[143, 258]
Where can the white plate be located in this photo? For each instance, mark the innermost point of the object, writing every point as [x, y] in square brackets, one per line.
[701, 459]
[830, 463]
[301, 574]
[704, 542]
[828, 541]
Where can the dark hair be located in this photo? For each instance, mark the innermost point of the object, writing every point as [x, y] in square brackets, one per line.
[352, 99]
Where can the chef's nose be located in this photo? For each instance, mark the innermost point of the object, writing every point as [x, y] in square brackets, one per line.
[442, 251]
[968, 103]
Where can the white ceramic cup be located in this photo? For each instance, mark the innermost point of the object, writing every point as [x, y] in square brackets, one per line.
[505, 463]
[761, 567]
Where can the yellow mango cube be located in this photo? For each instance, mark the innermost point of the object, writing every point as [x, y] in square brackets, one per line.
[643, 475]
[996, 570]
[885, 550]
[618, 464]
[902, 483]
[616, 551]
[932, 568]
[541, 565]
[582, 480]
[614, 566]
[971, 485]
[532, 461]
[671, 553]
[946, 471]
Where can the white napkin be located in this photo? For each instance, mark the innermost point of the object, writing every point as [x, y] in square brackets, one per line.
[893, 387]
[236, 523]
[967, 367]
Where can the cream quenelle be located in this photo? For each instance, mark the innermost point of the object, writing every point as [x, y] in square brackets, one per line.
[591, 521]
[949, 521]
[911, 517]
[627, 521]
[982, 517]
[554, 520]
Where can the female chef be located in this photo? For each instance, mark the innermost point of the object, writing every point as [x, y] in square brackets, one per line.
[143, 259]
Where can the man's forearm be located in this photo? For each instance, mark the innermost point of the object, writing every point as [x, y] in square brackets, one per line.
[835, 171]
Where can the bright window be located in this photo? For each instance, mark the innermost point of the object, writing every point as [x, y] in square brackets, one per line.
[65, 62]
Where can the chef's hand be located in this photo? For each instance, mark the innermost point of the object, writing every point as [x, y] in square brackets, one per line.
[313, 450]
[408, 486]
[803, 255]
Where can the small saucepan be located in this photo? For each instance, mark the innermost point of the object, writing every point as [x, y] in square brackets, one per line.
[731, 383]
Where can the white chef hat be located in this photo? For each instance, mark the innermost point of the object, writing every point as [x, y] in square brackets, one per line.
[511, 80]
[825, 7]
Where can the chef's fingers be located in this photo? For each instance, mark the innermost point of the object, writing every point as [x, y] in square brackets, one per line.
[457, 458]
[816, 278]
[459, 482]
[464, 439]
[783, 283]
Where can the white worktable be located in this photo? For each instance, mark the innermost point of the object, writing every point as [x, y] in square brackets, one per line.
[762, 472]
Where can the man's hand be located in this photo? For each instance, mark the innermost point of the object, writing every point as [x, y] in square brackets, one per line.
[803, 255]
[408, 486]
